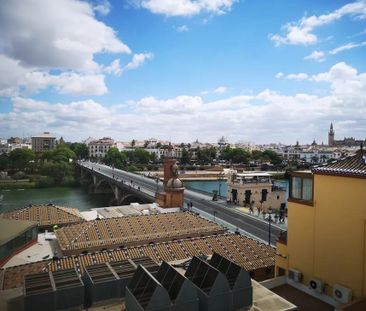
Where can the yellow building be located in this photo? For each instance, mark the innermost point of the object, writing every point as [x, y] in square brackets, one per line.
[325, 246]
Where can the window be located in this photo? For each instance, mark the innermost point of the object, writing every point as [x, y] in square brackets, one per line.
[301, 188]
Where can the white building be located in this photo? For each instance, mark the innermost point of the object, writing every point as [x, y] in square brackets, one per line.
[99, 148]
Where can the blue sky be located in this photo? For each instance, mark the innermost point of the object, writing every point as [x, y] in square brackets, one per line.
[260, 71]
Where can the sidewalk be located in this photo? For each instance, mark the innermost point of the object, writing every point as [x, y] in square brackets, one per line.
[254, 215]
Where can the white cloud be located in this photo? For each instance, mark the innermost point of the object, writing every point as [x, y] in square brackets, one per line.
[297, 76]
[60, 34]
[266, 116]
[138, 60]
[187, 7]
[220, 90]
[183, 28]
[114, 68]
[63, 35]
[346, 47]
[102, 7]
[293, 76]
[301, 32]
[318, 56]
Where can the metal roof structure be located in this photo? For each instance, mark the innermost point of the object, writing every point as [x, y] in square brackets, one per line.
[10, 228]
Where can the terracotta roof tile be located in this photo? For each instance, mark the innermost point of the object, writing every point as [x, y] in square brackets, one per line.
[352, 166]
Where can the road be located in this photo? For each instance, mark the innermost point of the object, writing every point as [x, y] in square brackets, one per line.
[255, 227]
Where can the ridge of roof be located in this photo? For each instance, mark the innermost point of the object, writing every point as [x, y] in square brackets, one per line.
[351, 166]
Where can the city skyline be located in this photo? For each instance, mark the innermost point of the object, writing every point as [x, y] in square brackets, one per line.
[262, 71]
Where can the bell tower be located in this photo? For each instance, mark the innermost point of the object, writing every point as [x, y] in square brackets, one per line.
[331, 136]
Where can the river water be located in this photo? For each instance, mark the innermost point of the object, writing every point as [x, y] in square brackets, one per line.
[80, 199]
[64, 196]
[210, 185]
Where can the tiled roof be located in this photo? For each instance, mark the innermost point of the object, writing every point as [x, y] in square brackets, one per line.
[46, 215]
[352, 166]
[244, 251]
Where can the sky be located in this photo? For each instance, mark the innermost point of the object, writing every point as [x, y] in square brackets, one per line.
[259, 71]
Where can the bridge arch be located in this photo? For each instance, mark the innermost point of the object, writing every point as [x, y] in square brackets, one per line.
[130, 198]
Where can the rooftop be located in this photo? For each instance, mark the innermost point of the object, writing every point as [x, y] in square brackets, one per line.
[132, 230]
[245, 252]
[45, 215]
[44, 135]
[352, 166]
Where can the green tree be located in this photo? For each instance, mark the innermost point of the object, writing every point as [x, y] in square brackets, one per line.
[20, 159]
[81, 150]
[257, 155]
[186, 157]
[115, 158]
[142, 156]
[273, 157]
[236, 155]
[57, 170]
[4, 162]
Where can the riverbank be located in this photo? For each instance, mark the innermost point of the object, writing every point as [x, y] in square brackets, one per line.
[76, 197]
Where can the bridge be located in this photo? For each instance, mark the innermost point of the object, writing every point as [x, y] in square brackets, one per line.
[129, 187]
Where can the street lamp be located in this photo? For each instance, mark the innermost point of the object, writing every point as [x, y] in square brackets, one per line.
[157, 183]
[214, 213]
[269, 226]
[220, 178]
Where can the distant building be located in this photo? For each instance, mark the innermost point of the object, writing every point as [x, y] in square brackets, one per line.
[256, 190]
[7, 148]
[347, 141]
[43, 142]
[325, 246]
[99, 148]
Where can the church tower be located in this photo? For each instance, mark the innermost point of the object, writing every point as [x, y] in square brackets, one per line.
[331, 136]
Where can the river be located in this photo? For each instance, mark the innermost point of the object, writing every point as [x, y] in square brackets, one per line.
[80, 199]
[64, 196]
[210, 185]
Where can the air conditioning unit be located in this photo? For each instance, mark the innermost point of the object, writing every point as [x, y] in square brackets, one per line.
[342, 294]
[317, 285]
[294, 275]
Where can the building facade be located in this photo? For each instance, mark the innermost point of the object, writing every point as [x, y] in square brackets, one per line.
[99, 148]
[43, 142]
[325, 247]
[256, 190]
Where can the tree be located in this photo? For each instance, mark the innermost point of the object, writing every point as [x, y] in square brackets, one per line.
[57, 170]
[20, 158]
[81, 150]
[257, 155]
[61, 154]
[273, 157]
[236, 155]
[133, 143]
[115, 158]
[186, 157]
[4, 162]
[142, 156]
